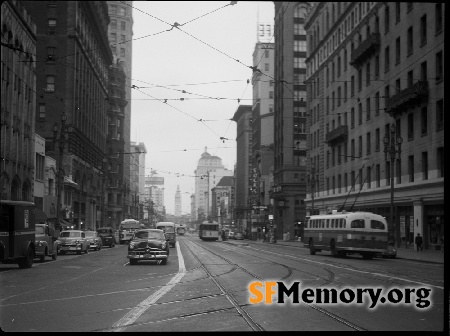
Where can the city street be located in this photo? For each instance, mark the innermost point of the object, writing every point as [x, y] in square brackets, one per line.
[204, 287]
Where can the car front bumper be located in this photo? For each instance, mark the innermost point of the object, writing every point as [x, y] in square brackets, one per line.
[70, 247]
[147, 255]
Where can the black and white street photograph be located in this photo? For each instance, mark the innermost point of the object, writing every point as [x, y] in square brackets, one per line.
[222, 166]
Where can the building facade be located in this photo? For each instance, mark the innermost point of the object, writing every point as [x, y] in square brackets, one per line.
[72, 105]
[262, 135]
[208, 173]
[244, 167]
[376, 102]
[135, 209]
[18, 93]
[221, 201]
[289, 186]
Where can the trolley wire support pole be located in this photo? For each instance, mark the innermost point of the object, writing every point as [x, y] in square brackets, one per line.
[392, 148]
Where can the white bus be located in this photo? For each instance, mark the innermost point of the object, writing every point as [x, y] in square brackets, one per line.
[343, 233]
[127, 228]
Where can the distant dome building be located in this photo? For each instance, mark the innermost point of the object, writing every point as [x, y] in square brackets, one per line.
[209, 172]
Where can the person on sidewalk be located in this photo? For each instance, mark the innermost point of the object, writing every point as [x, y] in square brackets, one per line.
[419, 242]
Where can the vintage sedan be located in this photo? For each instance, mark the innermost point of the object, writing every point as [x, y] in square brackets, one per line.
[73, 241]
[95, 242]
[148, 244]
[107, 235]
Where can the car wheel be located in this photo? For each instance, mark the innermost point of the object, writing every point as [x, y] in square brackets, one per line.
[27, 261]
[164, 262]
[133, 262]
[112, 245]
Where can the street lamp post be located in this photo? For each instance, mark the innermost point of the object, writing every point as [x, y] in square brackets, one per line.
[392, 147]
[61, 140]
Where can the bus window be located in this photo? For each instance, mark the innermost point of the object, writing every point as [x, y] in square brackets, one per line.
[341, 223]
[357, 224]
[332, 223]
[377, 225]
[328, 223]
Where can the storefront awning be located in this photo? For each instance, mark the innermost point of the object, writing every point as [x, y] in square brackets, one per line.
[40, 216]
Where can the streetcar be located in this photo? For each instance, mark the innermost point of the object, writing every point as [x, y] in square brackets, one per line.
[181, 229]
[208, 230]
[344, 233]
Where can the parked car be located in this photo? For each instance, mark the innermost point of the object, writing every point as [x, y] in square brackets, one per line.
[95, 242]
[148, 244]
[390, 252]
[239, 236]
[107, 235]
[231, 235]
[44, 244]
[73, 241]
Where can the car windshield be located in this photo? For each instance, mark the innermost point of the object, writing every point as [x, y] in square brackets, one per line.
[166, 228]
[40, 230]
[70, 234]
[90, 234]
[103, 231]
[149, 235]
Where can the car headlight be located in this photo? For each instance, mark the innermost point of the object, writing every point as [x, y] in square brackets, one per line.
[131, 246]
[163, 245]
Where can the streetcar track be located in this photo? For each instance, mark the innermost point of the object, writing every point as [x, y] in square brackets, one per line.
[315, 307]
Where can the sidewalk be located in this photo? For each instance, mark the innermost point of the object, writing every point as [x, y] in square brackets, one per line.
[431, 256]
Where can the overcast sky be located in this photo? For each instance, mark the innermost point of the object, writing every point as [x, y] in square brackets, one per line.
[208, 57]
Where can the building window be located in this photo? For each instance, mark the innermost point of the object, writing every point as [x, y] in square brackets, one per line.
[423, 30]
[266, 52]
[411, 168]
[377, 66]
[423, 71]
[360, 80]
[424, 120]
[360, 113]
[425, 165]
[368, 144]
[386, 19]
[439, 115]
[352, 118]
[345, 91]
[352, 86]
[339, 97]
[122, 52]
[339, 66]
[386, 59]
[377, 103]
[52, 26]
[51, 54]
[439, 66]
[367, 108]
[123, 25]
[369, 177]
[270, 94]
[368, 73]
[352, 149]
[360, 147]
[377, 175]
[397, 86]
[397, 12]
[113, 24]
[388, 173]
[333, 98]
[438, 18]
[410, 126]
[360, 178]
[398, 170]
[410, 77]
[113, 37]
[41, 111]
[410, 41]
[345, 59]
[377, 140]
[122, 11]
[50, 87]
[397, 50]
[113, 9]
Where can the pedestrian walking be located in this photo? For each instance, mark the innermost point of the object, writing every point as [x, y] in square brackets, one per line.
[419, 242]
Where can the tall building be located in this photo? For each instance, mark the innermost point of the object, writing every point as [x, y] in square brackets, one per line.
[289, 188]
[376, 107]
[178, 202]
[135, 209]
[262, 134]
[244, 169]
[120, 35]
[208, 173]
[73, 58]
[221, 201]
[154, 197]
[18, 102]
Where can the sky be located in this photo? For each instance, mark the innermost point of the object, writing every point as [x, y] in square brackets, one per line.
[190, 73]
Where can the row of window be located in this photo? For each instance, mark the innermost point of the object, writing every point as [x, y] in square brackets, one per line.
[366, 177]
[340, 223]
[113, 24]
